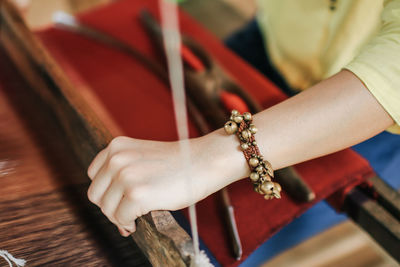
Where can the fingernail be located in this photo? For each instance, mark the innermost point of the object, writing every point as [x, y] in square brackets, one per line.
[123, 232]
[120, 231]
[131, 230]
[126, 234]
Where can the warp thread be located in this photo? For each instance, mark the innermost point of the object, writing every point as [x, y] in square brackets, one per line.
[172, 45]
[11, 259]
[201, 260]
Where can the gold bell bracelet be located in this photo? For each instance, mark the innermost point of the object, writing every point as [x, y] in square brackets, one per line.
[261, 170]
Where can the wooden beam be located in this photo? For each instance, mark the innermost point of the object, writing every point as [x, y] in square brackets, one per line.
[158, 235]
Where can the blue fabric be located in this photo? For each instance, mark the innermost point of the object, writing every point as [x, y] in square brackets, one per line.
[383, 153]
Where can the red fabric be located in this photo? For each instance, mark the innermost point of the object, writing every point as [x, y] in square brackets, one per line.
[141, 105]
[191, 59]
[336, 200]
[232, 101]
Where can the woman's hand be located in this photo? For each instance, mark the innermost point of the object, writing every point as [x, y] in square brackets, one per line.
[133, 177]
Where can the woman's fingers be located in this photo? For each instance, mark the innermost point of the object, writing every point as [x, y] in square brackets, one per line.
[107, 191]
[111, 199]
[116, 146]
[132, 177]
[97, 163]
[114, 164]
[126, 213]
[130, 228]
[123, 232]
[99, 185]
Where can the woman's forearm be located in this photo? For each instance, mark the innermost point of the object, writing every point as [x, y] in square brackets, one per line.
[132, 177]
[332, 115]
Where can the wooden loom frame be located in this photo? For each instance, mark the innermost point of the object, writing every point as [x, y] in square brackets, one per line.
[158, 235]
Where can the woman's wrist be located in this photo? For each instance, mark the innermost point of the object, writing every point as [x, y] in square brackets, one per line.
[222, 158]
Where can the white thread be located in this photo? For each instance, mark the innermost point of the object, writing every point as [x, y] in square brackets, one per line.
[10, 259]
[61, 18]
[201, 260]
[172, 44]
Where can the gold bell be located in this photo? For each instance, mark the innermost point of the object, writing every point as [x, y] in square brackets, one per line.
[244, 146]
[254, 176]
[276, 194]
[267, 188]
[253, 162]
[268, 197]
[246, 134]
[230, 127]
[246, 116]
[238, 119]
[253, 129]
[268, 166]
[278, 187]
[260, 169]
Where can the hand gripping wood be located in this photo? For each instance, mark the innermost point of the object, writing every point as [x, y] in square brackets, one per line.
[158, 235]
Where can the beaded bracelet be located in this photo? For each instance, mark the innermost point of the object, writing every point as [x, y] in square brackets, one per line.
[261, 170]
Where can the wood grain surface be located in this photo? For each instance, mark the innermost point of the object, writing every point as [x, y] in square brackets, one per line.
[158, 235]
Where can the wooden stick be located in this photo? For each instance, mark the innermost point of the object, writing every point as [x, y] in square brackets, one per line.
[158, 235]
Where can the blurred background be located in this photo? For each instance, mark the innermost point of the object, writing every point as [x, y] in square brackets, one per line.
[222, 17]
[344, 244]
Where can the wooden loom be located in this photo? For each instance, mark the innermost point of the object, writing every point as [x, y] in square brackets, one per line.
[56, 101]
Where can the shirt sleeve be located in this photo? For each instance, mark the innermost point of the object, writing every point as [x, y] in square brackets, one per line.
[378, 63]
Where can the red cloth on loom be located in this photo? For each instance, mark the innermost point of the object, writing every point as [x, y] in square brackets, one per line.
[141, 106]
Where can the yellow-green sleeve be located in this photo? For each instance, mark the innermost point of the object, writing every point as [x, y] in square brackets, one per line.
[378, 63]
